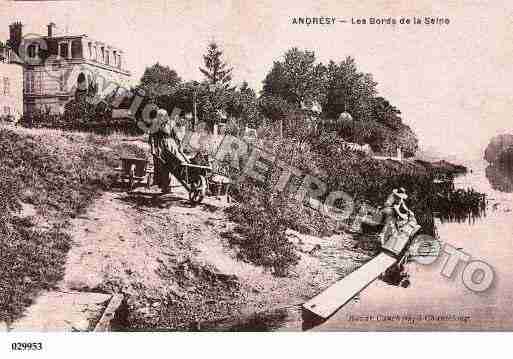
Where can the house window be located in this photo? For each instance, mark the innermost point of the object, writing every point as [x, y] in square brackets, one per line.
[103, 54]
[39, 82]
[33, 82]
[81, 82]
[76, 49]
[27, 82]
[107, 61]
[31, 50]
[3, 54]
[90, 46]
[62, 82]
[63, 50]
[7, 89]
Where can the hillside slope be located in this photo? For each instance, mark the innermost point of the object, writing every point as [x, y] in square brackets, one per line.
[66, 226]
[46, 178]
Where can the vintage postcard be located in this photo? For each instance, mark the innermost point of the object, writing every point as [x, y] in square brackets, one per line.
[255, 166]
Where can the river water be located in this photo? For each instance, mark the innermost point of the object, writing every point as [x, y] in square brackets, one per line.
[434, 302]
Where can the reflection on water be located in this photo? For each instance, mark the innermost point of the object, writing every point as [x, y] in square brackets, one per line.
[455, 215]
[460, 206]
[483, 236]
[500, 178]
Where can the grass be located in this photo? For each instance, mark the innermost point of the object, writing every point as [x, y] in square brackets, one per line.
[58, 174]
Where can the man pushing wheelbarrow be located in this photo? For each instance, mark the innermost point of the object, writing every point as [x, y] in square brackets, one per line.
[169, 159]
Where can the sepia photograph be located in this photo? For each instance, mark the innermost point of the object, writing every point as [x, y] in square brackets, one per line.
[255, 166]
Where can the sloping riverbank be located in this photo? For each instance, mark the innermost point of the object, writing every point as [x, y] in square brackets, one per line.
[68, 228]
[176, 268]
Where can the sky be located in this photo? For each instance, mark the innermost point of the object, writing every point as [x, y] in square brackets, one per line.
[453, 83]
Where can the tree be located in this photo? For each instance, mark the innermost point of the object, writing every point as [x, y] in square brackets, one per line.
[297, 78]
[385, 113]
[217, 80]
[505, 159]
[274, 108]
[181, 96]
[216, 71]
[349, 90]
[158, 80]
[497, 145]
[374, 120]
[243, 105]
[407, 140]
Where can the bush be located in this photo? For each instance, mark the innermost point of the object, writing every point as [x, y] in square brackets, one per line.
[382, 138]
[505, 158]
[79, 115]
[101, 125]
[262, 225]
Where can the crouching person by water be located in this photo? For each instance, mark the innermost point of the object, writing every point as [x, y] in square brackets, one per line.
[391, 217]
[397, 224]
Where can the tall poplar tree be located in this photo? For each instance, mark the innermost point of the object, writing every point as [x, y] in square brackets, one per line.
[218, 76]
[216, 71]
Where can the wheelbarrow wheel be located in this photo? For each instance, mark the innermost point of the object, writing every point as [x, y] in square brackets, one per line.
[198, 190]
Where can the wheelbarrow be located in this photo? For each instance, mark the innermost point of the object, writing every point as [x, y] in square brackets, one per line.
[192, 176]
[135, 171]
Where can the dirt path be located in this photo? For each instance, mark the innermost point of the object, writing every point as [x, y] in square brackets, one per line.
[173, 264]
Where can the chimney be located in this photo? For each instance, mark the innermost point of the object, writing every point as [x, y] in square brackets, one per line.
[15, 36]
[51, 27]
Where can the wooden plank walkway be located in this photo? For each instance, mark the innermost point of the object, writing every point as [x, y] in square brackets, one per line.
[332, 299]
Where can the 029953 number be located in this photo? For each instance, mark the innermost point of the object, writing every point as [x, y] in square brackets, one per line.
[26, 346]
